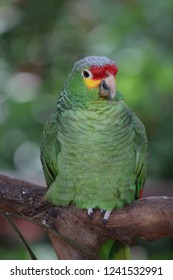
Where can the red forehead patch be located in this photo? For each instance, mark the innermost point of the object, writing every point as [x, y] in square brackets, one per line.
[101, 72]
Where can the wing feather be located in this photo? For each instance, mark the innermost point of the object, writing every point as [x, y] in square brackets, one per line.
[50, 148]
[142, 154]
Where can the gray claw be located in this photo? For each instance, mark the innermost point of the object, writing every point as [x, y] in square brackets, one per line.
[106, 216]
[90, 213]
[102, 211]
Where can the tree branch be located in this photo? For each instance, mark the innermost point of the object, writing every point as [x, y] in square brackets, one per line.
[72, 233]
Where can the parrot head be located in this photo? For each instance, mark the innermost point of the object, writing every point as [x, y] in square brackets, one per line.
[93, 78]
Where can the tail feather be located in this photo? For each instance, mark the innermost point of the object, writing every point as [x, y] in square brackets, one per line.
[114, 250]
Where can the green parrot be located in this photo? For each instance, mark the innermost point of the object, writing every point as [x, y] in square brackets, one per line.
[94, 150]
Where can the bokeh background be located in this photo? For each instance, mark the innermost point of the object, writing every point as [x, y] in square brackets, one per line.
[39, 42]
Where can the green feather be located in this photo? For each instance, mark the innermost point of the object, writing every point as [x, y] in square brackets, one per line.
[114, 250]
[50, 148]
[94, 157]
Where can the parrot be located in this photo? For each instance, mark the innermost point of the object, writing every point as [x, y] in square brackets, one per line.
[94, 149]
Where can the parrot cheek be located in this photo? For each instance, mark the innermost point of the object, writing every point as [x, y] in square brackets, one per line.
[92, 84]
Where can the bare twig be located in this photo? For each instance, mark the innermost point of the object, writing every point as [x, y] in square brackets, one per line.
[72, 233]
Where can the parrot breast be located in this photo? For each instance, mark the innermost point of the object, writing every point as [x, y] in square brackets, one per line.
[96, 163]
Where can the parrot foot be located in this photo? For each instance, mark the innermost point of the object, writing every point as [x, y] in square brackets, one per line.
[106, 216]
[90, 213]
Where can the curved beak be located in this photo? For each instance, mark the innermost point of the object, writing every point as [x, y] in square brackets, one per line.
[107, 87]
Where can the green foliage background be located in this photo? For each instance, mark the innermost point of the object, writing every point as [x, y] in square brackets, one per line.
[39, 42]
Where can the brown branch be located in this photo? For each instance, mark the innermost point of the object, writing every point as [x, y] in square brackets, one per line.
[72, 233]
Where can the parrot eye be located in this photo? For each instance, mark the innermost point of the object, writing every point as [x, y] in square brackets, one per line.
[86, 74]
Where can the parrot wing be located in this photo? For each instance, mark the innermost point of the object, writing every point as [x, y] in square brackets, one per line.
[50, 148]
[140, 144]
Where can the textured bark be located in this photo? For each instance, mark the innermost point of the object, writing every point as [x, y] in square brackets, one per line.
[73, 234]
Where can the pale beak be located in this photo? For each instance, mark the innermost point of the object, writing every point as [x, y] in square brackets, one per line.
[107, 87]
